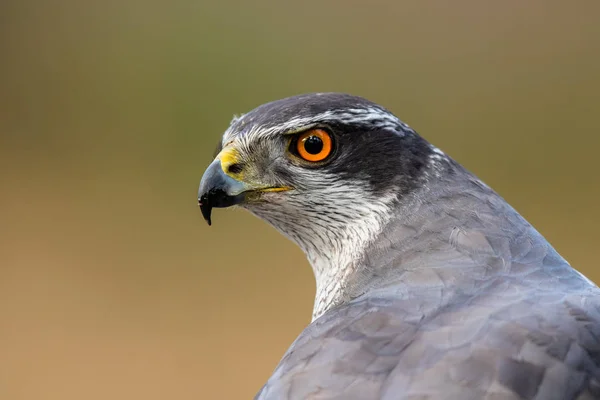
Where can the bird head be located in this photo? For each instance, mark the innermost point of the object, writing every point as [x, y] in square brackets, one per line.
[325, 169]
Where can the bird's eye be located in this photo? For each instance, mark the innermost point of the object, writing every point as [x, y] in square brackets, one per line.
[314, 145]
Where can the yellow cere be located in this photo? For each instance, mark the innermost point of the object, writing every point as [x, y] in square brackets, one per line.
[228, 156]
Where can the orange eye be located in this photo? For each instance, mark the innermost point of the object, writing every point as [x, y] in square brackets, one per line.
[314, 145]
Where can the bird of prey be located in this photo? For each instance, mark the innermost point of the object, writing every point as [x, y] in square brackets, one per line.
[429, 285]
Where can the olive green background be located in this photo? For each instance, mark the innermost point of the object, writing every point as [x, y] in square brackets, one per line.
[111, 284]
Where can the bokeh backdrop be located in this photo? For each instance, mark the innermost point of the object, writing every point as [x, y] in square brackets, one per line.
[111, 284]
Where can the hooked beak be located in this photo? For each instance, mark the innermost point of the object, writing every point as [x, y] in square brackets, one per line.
[217, 189]
[221, 189]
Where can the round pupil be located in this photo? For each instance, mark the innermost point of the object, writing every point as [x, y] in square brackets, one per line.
[313, 145]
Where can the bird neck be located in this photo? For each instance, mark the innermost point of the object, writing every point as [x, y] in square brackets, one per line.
[411, 248]
[335, 254]
[332, 270]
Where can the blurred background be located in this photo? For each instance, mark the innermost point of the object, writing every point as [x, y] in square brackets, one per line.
[111, 284]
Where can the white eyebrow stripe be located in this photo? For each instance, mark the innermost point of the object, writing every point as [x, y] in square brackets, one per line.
[375, 116]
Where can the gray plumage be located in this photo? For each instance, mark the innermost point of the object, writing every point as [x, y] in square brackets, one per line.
[451, 293]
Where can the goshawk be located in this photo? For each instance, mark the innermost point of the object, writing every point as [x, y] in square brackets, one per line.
[429, 285]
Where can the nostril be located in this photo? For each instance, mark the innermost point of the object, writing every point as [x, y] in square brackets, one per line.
[235, 168]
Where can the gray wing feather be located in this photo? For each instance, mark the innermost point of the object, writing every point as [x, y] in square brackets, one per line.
[380, 348]
[530, 332]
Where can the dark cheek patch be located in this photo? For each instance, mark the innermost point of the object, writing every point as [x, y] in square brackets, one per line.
[382, 158]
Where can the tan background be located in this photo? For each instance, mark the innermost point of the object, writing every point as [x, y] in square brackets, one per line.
[112, 286]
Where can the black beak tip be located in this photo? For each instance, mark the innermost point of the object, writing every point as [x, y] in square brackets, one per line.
[206, 209]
